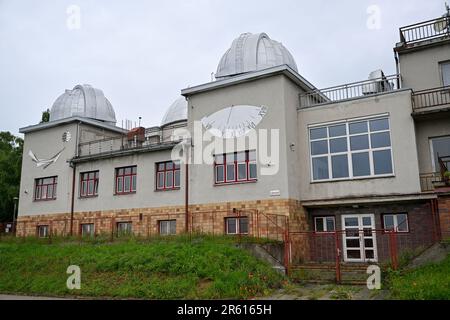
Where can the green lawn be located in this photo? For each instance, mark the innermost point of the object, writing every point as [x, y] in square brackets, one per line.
[175, 268]
[428, 282]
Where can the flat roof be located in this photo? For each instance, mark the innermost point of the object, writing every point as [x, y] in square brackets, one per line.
[251, 76]
[51, 124]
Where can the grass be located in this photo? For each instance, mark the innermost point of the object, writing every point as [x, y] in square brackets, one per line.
[203, 267]
[430, 282]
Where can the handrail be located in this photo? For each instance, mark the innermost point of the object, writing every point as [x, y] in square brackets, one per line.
[425, 30]
[431, 97]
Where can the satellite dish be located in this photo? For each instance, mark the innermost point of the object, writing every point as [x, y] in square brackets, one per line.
[441, 24]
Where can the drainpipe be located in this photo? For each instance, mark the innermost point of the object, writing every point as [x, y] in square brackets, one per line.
[74, 170]
[186, 197]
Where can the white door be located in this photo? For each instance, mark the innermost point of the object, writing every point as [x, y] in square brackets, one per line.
[359, 238]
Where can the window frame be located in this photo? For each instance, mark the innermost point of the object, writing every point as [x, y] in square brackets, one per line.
[236, 163]
[54, 185]
[169, 221]
[238, 225]
[47, 227]
[176, 168]
[370, 150]
[395, 220]
[433, 157]
[441, 71]
[123, 176]
[87, 235]
[324, 222]
[118, 233]
[95, 180]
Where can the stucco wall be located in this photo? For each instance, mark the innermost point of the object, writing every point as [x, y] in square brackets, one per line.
[420, 69]
[406, 169]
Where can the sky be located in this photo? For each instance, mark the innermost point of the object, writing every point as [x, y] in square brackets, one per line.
[142, 53]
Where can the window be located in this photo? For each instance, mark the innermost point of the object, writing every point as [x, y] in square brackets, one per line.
[43, 231]
[124, 228]
[45, 188]
[440, 147]
[324, 224]
[89, 184]
[235, 167]
[167, 175]
[167, 227]
[397, 222]
[445, 72]
[236, 225]
[87, 229]
[351, 149]
[126, 180]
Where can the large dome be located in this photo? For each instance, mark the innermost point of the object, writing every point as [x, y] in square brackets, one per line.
[176, 112]
[83, 101]
[253, 52]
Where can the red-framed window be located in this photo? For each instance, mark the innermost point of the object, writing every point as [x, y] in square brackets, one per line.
[89, 184]
[235, 167]
[126, 180]
[45, 188]
[167, 175]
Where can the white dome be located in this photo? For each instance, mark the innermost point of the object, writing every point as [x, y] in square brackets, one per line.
[83, 101]
[176, 112]
[253, 52]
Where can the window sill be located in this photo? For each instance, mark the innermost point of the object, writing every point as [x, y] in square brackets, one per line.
[44, 200]
[353, 179]
[168, 189]
[124, 193]
[88, 197]
[234, 183]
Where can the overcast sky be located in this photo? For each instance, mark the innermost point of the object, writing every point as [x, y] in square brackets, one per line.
[142, 53]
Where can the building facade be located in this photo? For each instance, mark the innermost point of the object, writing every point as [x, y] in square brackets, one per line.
[287, 160]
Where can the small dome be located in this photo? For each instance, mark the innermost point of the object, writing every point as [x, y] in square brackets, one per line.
[176, 112]
[253, 52]
[83, 101]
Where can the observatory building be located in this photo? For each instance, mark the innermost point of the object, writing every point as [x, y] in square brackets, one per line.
[352, 167]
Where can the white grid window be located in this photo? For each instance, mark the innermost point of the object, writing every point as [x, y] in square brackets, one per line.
[352, 149]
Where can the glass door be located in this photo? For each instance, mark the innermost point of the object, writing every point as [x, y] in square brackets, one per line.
[359, 238]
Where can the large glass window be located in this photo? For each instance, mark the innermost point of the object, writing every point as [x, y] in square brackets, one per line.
[445, 71]
[45, 188]
[351, 149]
[167, 175]
[440, 148]
[89, 184]
[235, 167]
[126, 180]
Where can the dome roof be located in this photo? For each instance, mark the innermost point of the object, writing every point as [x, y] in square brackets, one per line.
[253, 52]
[176, 112]
[83, 101]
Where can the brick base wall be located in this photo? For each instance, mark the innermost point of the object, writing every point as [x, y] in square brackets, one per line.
[267, 218]
[444, 215]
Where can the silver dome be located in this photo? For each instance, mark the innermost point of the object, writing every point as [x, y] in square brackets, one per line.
[176, 112]
[83, 101]
[253, 52]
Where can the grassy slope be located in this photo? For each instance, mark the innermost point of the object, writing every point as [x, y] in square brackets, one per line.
[427, 282]
[161, 269]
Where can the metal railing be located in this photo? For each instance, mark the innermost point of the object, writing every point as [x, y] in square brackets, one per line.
[349, 91]
[427, 30]
[431, 98]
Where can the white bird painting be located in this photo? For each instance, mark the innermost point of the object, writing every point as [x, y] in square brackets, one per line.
[44, 162]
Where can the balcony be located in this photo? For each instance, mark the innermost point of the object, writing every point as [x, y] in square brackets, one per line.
[350, 91]
[429, 182]
[431, 100]
[424, 32]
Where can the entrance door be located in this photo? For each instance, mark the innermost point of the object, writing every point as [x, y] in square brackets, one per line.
[359, 238]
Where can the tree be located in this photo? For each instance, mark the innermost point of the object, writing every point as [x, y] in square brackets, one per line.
[11, 149]
[45, 116]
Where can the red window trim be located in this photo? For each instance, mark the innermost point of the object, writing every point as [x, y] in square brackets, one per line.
[46, 185]
[131, 175]
[238, 225]
[236, 179]
[96, 181]
[164, 172]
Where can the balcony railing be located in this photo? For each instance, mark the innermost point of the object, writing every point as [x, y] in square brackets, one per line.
[349, 91]
[427, 30]
[429, 181]
[431, 98]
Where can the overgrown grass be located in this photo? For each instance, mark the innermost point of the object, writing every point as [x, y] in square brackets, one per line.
[428, 282]
[201, 267]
